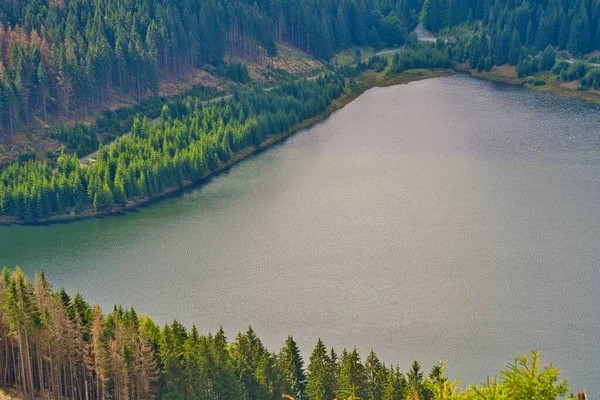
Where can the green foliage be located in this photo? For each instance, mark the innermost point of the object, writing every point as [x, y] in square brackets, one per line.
[191, 140]
[352, 380]
[321, 374]
[395, 385]
[377, 63]
[424, 55]
[592, 78]
[523, 379]
[375, 377]
[527, 379]
[67, 57]
[525, 34]
[88, 354]
[291, 364]
[235, 71]
[80, 139]
[114, 123]
[574, 71]
[71, 56]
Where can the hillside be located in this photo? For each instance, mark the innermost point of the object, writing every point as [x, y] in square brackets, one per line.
[41, 138]
[68, 58]
[553, 44]
[65, 61]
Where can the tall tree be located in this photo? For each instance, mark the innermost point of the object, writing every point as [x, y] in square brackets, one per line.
[292, 366]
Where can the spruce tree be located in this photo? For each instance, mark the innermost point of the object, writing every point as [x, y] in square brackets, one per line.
[292, 367]
[320, 376]
[375, 373]
[352, 378]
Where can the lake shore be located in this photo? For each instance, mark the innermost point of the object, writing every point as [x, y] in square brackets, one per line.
[366, 81]
[552, 85]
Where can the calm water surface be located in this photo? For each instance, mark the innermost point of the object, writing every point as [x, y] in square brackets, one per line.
[447, 218]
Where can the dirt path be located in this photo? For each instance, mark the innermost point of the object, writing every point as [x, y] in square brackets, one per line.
[572, 60]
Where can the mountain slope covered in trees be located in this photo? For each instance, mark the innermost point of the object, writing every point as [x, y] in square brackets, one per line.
[535, 24]
[54, 346]
[515, 31]
[553, 44]
[61, 56]
[190, 140]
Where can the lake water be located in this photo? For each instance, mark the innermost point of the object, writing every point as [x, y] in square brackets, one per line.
[450, 218]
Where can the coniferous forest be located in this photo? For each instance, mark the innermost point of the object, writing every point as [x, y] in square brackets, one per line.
[61, 56]
[54, 346]
[534, 24]
[189, 140]
[534, 35]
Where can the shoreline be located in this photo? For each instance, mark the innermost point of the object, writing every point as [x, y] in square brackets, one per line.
[552, 88]
[365, 82]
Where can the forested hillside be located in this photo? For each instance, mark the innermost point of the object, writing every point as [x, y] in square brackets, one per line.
[68, 57]
[54, 346]
[189, 140]
[552, 43]
[564, 24]
[61, 56]
[515, 30]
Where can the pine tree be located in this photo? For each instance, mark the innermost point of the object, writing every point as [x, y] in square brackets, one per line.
[375, 373]
[292, 366]
[352, 378]
[320, 376]
[395, 386]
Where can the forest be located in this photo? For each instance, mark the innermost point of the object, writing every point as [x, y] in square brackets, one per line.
[56, 346]
[61, 57]
[533, 24]
[75, 53]
[532, 35]
[188, 141]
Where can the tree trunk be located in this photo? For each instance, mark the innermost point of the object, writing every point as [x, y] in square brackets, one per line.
[40, 371]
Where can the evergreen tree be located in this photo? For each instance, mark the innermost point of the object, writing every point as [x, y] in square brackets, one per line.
[375, 373]
[292, 366]
[59, 347]
[395, 386]
[320, 376]
[352, 378]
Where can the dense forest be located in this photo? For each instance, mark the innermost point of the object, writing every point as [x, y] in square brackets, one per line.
[61, 56]
[54, 346]
[535, 24]
[189, 140]
[529, 34]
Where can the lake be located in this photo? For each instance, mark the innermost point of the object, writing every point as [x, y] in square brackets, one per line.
[449, 218]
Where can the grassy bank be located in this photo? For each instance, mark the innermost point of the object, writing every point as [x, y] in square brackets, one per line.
[543, 82]
[364, 82]
[505, 74]
[566, 89]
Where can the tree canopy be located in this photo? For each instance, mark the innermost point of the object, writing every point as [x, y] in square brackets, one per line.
[188, 141]
[62, 56]
[57, 346]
